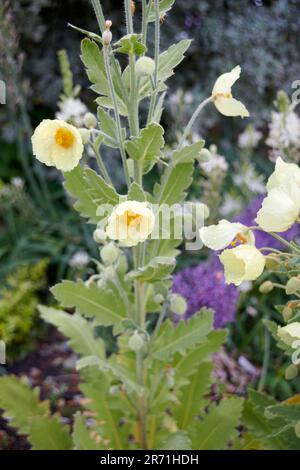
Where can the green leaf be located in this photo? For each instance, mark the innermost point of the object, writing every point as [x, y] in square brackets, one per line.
[105, 305]
[188, 153]
[79, 331]
[91, 191]
[177, 441]
[81, 435]
[193, 401]
[218, 427]
[131, 44]
[287, 411]
[169, 59]
[186, 335]
[117, 370]
[49, 434]
[147, 146]
[175, 180]
[164, 7]
[93, 60]
[136, 193]
[20, 403]
[109, 127]
[159, 269]
[107, 102]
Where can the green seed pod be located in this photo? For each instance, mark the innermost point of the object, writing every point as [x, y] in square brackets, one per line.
[136, 341]
[90, 121]
[266, 287]
[145, 66]
[291, 372]
[204, 156]
[109, 253]
[292, 286]
[158, 298]
[178, 304]
[99, 236]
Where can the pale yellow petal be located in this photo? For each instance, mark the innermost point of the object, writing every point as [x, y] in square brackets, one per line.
[231, 107]
[224, 83]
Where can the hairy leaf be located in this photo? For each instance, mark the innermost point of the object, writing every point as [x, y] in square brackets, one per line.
[49, 434]
[131, 44]
[177, 441]
[82, 436]
[158, 269]
[136, 193]
[164, 7]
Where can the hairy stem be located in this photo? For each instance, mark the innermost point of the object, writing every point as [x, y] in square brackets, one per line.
[128, 15]
[156, 60]
[99, 14]
[192, 121]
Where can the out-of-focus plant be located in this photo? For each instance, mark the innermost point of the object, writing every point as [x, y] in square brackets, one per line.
[18, 309]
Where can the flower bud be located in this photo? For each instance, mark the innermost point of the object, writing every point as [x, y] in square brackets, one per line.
[178, 304]
[282, 102]
[204, 156]
[90, 121]
[136, 341]
[145, 66]
[107, 37]
[291, 372]
[109, 253]
[266, 287]
[287, 313]
[108, 24]
[85, 135]
[297, 429]
[99, 236]
[292, 286]
[158, 298]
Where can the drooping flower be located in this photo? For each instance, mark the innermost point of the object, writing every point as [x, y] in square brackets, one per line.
[58, 144]
[283, 173]
[131, 222]
[280, 209]
[218, 237]
[204, 286]
[289, 333]
[242, 263]
[222, 97]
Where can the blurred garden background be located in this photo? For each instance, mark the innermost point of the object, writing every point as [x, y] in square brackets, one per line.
[42, 239]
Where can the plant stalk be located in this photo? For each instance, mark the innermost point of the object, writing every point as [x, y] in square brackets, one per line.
[192, 120]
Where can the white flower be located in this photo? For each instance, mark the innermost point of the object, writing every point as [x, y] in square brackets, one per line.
[243, 263]
[58, 144]
[80, 259]
[249, 138]
[284, 172]
[131, 222]
[222, 97]
[280, 209]
[284, 130]
[216, 161]
[289, 333]
[217, 237]
[72, 109]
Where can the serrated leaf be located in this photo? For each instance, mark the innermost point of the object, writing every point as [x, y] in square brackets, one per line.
[81, 435]
[109, 127]
[175, 180]
[131, 44]
[136, 193]
[164, 7]
[188, 153]
[286, 411]
[177, 441]
[49, 434]
[107, 102]
[20, 403]
[91, 191]
[79, 331]
[218, 427]
[146, 148]
[186, 335]
[193, 398]
[159, 269]
[105, 305]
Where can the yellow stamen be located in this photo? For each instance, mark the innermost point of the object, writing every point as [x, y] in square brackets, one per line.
[239, 238]
[132, 219]
[64, 138]
[222, 95]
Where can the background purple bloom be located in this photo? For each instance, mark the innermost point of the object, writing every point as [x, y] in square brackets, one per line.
[204, 286]
[263, 239]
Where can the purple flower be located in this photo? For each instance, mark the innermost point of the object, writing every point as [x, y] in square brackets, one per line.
[262, 239]
[204, 286]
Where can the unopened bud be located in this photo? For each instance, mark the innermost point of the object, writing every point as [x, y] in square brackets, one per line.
[85, 135]
[108, 24]
[136, 341]
[297, 429]
[266, 287]
[90, 121]
[158, 298]
[109, 253]
[291, 372]
[107, 37]
[204, 156]
[99, 236]
[145, 66]
[292, 286]
[178, 304]
[287, 313]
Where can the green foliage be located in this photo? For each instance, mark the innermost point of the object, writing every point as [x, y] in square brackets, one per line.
[81, 435]
[164, 7]
[131, 44]
[18, 308]
[49, 434]
[158, 269]
[66, 72]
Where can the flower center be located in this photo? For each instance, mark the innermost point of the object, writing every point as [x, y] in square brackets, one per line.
[132, 219]
[228, 96]
[64, 138]
[239, 238]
